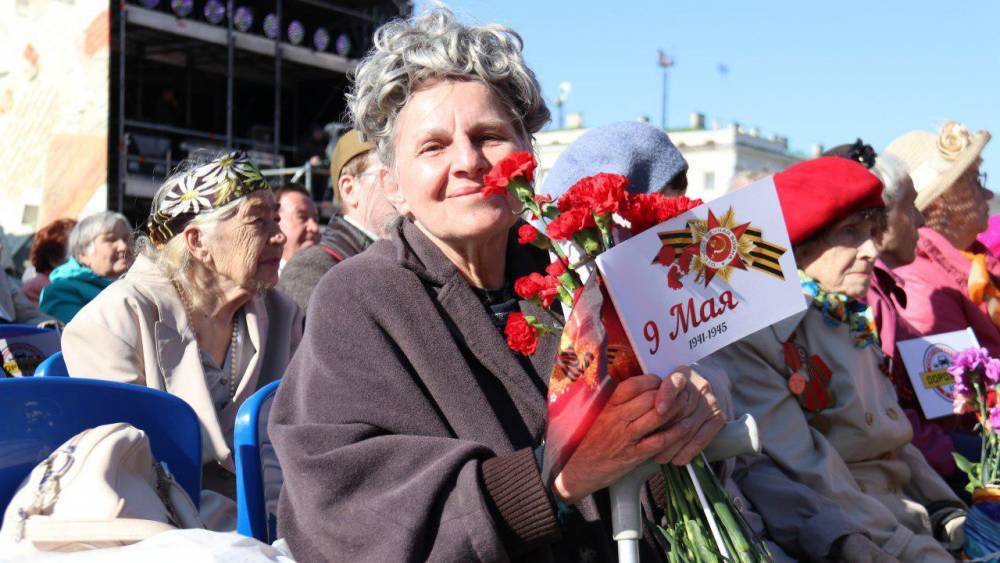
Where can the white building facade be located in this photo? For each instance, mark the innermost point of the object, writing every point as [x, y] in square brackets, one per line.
[715, 155]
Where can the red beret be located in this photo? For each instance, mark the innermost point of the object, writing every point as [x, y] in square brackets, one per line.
[819, 192]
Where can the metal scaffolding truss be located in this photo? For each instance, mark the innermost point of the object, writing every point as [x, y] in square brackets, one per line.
[163, 36]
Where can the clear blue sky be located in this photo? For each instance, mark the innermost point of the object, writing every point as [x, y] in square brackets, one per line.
[815, 72]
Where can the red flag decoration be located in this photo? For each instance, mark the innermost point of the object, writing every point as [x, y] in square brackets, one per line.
[665, 61]
[594, 355]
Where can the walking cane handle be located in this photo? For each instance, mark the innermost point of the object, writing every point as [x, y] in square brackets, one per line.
[737, 437]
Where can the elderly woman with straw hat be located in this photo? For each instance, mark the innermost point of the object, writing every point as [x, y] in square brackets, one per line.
[951, 284]
[816, 382]
[195, 315]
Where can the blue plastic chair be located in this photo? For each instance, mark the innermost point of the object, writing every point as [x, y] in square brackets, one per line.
[37, 415]
[53, 366]
[258, 475]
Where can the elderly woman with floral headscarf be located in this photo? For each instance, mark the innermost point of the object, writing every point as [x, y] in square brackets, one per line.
[195, 314]
[816, 382]
[952, 283]
[406, 428]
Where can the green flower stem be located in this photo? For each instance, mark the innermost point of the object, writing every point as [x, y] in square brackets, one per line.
[603, 221]
[691, 521]
[688, 529]
[703, 504]
[559, 324]
[984, 467]
[733, 532]
[526, 195]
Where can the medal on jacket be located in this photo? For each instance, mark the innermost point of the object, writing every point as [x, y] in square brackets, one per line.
[809, 380]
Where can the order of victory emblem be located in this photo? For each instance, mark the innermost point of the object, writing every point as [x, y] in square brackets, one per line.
[715, 247]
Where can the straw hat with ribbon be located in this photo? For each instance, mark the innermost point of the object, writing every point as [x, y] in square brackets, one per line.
[937, 161]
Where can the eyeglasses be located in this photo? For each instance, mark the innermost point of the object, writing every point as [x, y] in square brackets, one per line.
[372, 172]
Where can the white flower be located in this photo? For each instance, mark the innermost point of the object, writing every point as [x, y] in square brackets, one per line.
[953, 140]
[216, 171]
[188, 195]
[228, 173]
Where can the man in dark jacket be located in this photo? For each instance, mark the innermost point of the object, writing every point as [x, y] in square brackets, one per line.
[363, 214]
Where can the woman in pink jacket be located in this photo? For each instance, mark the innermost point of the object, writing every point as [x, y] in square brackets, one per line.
[949, 285]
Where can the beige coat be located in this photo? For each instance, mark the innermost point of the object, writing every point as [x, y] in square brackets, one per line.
[864, 460]
[136, 331]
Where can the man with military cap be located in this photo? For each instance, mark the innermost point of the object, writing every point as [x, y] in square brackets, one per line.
[364, 211]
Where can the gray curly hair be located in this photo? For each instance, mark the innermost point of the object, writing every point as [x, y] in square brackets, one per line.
[435, 46]
[894, 175]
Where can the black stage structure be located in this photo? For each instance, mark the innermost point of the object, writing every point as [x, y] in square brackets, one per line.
[264, 76]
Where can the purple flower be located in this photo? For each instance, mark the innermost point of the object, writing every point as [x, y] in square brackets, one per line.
[970, 358]
[995, 419]
[968, 367]
[963, 386]
[963, 381]
[993, 371]
[965, 363]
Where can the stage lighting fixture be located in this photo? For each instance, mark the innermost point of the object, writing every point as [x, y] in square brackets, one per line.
[321, 39]
[182, 8]
[296, 32]
[150, 4]
[343, 44]
[214, 11]
[271, 26]
[243, 18]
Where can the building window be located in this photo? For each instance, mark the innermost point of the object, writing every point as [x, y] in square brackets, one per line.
[709, 181]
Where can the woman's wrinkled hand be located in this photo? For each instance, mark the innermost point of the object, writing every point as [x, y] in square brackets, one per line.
[670, 421]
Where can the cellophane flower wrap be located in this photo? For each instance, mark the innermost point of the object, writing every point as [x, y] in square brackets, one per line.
[977, 382]
[594, 353]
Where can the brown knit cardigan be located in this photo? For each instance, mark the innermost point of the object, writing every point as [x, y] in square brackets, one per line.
[405, 425]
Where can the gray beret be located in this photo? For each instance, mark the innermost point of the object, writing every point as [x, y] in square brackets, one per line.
[640, 151]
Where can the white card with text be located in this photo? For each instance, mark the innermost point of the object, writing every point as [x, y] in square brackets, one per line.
[704, 279]
[927, 360]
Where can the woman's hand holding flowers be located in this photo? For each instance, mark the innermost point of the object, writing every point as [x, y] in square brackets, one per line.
[669, 420]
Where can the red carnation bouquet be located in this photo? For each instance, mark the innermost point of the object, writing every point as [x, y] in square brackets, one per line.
[594, 352]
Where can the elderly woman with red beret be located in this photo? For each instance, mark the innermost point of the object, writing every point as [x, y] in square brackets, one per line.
[817, 384]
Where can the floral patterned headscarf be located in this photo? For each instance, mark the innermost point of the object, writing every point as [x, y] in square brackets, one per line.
[208, 187]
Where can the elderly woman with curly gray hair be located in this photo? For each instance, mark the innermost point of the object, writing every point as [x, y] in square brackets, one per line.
[405, 426]
[195, 315]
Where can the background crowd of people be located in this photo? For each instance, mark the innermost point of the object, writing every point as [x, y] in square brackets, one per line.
[401, 404]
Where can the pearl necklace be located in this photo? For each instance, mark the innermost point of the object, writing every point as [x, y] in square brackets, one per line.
[233, 344]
